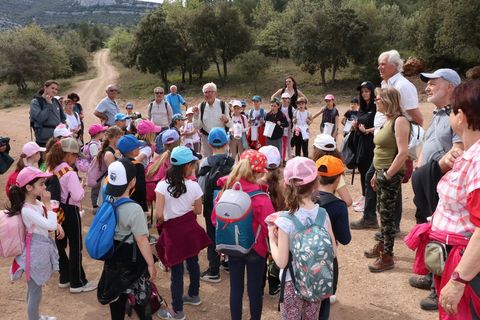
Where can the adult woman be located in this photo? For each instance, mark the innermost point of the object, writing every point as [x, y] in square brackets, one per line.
[291, 89]
[391, 151]
[457, 217]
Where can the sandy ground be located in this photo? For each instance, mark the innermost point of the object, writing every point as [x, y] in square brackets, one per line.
[361, 295]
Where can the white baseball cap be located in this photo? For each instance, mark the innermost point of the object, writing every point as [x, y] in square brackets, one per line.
[273, 156]
[62, 131]
[120, 173]
[286, 95]
[325, 142]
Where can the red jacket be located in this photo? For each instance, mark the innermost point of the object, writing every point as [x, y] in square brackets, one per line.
[262, 207]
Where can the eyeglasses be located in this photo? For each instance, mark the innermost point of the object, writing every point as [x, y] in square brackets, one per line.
[159, 92]
[112, 90]
[209, 91]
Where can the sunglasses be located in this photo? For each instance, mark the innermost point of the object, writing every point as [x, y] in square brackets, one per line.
[159, 92]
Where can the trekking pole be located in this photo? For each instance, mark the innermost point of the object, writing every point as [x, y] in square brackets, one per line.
[353, 174]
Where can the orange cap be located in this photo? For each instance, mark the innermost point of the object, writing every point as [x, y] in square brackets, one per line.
[329, 166]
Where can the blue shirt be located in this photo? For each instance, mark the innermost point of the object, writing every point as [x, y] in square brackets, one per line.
[109, 108]
[175, 101]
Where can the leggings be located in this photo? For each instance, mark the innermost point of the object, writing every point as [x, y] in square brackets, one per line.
[34, 295]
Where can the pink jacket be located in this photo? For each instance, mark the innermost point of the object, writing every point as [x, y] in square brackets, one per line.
[70, 183]
[262, 208]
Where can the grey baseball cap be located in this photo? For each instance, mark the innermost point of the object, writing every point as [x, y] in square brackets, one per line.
[447, 74]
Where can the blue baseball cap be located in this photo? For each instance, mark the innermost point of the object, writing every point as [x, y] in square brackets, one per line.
[447, 74]
[181, 155]
[256, 98]
[178, 116]
[243, 103]
[217, 137]
[120, 117]
[128, 143]
[170, 136]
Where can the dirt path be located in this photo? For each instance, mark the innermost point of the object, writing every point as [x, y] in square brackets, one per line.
[361, 295]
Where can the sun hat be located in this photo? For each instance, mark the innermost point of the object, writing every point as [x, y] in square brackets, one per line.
[236, 103]
[273, 156]
[285, 95]
[256, 98]
[147, 126]
[329, 97]
[330, 166]
[325, 142]
[299, 171]
[96, 129]
[30, 148]
[189, 111]
[120, 173]
[181, 155]
[258, 161]
[70, 145]
[29, 173]
[217, 137]
[61, 131]
[170, 136]
[120, 117]
[446, 74]
[128, 143]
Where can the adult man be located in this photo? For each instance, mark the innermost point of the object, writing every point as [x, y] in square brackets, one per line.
[175, 99]
[159, 111]
[209, 114]
[390, 66]
[46, 112]
[439, 139]
[108, 107]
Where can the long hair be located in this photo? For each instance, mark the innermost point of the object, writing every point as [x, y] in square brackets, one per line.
[110, 134]
[55, 156]
[293, 81]
[175, 177]
[242, 170]
[157, 163]
[391, 100]
[294, 194]
[149, 138]
[275, 189]
[17, 195]
[366, 106]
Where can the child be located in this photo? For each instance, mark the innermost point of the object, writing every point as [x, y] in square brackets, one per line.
[28, 158]
[286, 109]
[190, 133]
[91, 149]
[212, 168]
[280, 122]
[350, 116]
[30, 185]
[60, 159]
[300, 176]
[247, 172]
[238, 139]
[146, 132]
[256, 121]
[132, 255]
[301, 133]
[129, 147]
[178, 121]
[121, 121]
[330, 170]
[181, 237]
[243, 106]
[330, 116]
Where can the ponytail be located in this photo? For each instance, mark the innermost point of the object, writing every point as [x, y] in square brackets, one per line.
[55, 156]
[17, 195]
[294, 194]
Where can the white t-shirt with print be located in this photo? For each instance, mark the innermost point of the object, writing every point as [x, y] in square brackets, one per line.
[72, 122]
[177, 207]
[148, 152]
[194, 138]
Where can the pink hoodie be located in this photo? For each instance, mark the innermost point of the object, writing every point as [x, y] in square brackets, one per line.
[262, 208]
[70, 183]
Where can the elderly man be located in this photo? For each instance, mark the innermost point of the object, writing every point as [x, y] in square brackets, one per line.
[108, 107]
[210, 114]
[439, 139]
[176, 100]
[159, 110]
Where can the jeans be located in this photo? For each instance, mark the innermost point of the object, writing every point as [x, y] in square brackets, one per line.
[255, 265]
[176, 279]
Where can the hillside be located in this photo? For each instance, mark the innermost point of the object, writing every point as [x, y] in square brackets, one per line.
[48, 12]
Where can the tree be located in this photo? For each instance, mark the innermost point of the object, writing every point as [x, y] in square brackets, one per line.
[263, 14]
[77, 55]
[155, 46]
[120, 43]
[252, 64]
[274, 39]
[29, 54]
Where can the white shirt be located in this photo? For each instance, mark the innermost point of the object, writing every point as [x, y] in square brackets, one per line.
[194, 138]
[148, 152]
[161, 113]
[93, 148]
[211, 116]
[177, 207]
[408, 92]
[72, 122]
[34, 215]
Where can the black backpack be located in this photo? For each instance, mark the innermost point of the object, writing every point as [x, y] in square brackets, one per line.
[349, 150]
[212, 173]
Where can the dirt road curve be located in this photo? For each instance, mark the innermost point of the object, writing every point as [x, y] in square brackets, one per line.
[361, 295]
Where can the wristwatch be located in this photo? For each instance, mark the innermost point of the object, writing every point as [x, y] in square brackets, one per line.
[385, 174]
[456, 277]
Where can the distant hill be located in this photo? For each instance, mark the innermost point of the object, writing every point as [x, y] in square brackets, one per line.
[48, 12]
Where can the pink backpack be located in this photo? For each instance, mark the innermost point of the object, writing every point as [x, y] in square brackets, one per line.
[84, 162]
[153, 180]
[95, 172]
[12, 235]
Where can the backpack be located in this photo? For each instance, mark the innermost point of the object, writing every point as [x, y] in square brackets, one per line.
[349, 150]
[209, 175]
[12, 235]
[55, 189]
[151, 182]
[95, 172]
[234, 232]
[151, 105]
[312, 255]
[100, 236]
[83, 163]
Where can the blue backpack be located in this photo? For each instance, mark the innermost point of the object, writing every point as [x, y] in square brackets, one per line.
[100, 237]
[234, 232]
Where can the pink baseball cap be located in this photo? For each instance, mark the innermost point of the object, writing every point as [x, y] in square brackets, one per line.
[96, 129]
[300, 171]
[62, 131]
[30, 148]
[147, 126]
[329, 97]
[27, 174]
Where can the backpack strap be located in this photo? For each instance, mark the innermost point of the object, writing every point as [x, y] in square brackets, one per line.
[60, 173]
[202, 109]
[321, 217]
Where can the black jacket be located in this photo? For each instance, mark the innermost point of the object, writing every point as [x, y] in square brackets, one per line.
[278, 131]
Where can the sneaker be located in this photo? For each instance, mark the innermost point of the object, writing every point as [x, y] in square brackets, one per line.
[424, 282]
[363, 224]
[209, 277]
[359, 201]
[359, 208]
[273, 292]
[64, 285]
[430, 302]
[224, 266]
[90, 286]
[194, 301]
[47, 318]
[166, 314]
[333, 299]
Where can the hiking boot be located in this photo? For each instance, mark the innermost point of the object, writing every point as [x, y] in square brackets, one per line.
[363, 224]
[379, 236]
[424, 282]
[210, 277]
[383, 263]
[90, 286]
[430, 302]
[375, 251]
[167, 315]
[194, 301]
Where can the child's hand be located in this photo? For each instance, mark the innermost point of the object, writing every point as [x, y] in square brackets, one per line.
[60, 232]
[45, 198]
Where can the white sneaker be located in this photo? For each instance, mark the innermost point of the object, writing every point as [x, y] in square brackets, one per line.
[359, 208]
[47, 318]
[64, 285]
[333, 299]
[359, 201]
[90, 286]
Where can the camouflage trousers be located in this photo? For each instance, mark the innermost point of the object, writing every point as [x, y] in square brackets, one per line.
[387, 192]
